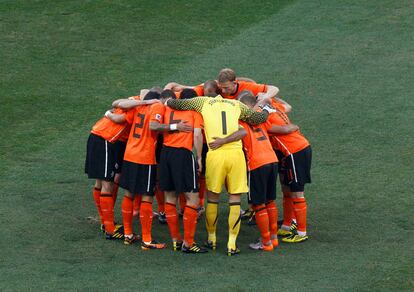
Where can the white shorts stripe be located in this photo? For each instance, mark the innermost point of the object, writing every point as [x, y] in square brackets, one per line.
[294, 168]
[194, 173]
[149, 178]
[248, 184]
[106, 158]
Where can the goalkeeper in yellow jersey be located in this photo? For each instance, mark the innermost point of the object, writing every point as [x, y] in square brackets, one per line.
[225, 162]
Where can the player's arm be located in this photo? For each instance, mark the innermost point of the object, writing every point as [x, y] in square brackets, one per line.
[218, 142]
[198, 145]
[192, 104]
[270, 93]
[116, 118]
[181, 126]
[282, 130]
[128, 103]
[174, 86]
[253, 117]
[288, 107]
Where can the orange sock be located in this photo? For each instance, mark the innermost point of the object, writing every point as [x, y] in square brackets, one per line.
[137, 205]
[190, 222]
[300, 208]
[159, 195]
[262, 221]
[107, 207]
[127, 210]
[115, 188]
[172, 221]
[272, 212]
[287, 209]
[202, 190]
[183, 202]
[97, 199]
[145, 216]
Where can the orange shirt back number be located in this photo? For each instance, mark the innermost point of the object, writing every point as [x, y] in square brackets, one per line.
[139, 126]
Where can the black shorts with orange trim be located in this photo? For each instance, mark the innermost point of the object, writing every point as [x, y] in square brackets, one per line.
[119, 149]
[262, 184]
[280, 157]
[296, 169]
[178, 170]
[100, 158]
[138, 178]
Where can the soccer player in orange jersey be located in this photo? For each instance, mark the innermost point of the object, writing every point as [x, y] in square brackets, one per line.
[295, 155]
[139, 166]
[178, 174]
[262, 167]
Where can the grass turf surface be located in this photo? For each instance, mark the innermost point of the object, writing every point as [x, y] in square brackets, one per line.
[345, 66]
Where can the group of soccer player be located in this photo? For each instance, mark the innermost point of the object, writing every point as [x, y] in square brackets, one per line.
[182, 143]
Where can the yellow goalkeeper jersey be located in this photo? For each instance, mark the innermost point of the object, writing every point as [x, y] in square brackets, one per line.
[221, 116]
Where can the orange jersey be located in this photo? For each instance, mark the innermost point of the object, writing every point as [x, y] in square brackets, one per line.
[257, 146]
[142, 141]
[289, 143]
[181, 139]
[125, 135]
[110, 130]
[255, 88]
[199, 89]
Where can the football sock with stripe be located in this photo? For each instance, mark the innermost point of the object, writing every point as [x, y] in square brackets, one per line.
[190, 223]
[183, 202]
[202, 191]
[172, 221]
[300, 208]
[262, 221]
[159, 196]
[107, 207]
[145, 216]
[97, 198]
[115, 188]
[211, 220]
[272, 212]
[234, 225]
[127, 210]
[287, 211]
[137, 205]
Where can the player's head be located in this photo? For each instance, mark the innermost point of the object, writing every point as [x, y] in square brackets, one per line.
[167, 94]
[152, 95]
[227, 81]
[211, 88]
[188, 93]
[156, 89]
[247, 97]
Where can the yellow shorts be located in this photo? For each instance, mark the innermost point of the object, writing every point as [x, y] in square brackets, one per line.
[226, 167]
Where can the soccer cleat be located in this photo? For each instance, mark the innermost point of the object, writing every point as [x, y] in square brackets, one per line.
[246, 214]
[132, 240]
[258, 245]
[193, 249]
[177, 245]
[284, 233]
[118, 233]
[293, 227]
[152, 245]
[162, 218]
[210, 244]
[233, 252]
[294, 238]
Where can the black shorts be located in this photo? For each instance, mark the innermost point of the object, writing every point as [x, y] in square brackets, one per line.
[178, 170]
[203, 159]
[100, 158]
[280, 157]
[262, 184]
[160, 142]
[119, 148]
[296, 169]
[138, 178]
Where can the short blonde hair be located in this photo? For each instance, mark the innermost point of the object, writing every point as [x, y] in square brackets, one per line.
[226, 75]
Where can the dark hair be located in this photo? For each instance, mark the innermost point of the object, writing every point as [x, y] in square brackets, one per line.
[168, 93]
[225, 75]
[152, 95]
[188, 93]
[247, 97]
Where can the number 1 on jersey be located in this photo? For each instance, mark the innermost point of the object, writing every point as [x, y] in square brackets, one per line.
[224, 122]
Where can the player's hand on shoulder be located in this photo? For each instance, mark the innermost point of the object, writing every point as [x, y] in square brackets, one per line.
[182, 126]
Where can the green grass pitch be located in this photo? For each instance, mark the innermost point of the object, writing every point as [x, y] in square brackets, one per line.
[346, 66]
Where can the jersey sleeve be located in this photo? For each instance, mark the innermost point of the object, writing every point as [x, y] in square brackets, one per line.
[256, 88]
[252, 117]
[129, 116]
[192, 104]
[157, 113]
[199, 89]
[198, 120]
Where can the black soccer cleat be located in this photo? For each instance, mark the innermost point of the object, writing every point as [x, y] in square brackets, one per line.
[193, 249]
